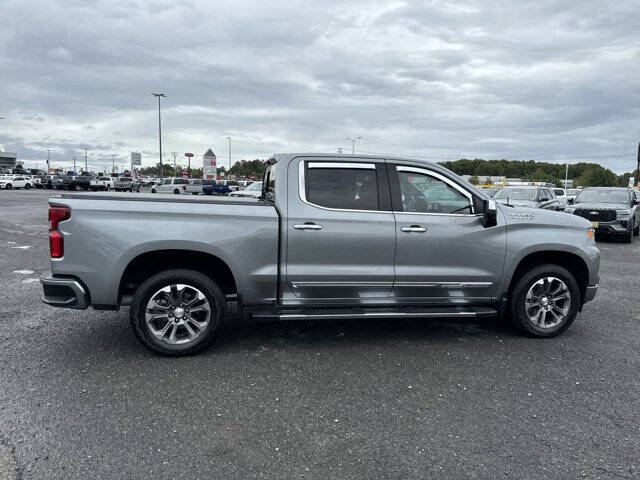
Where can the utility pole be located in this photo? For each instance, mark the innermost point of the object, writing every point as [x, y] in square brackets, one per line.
[353, 143]
[174, 163]
[74, 164]
[229, 138]
[340, 150]
[566, 176]
[48, 161]
[113, 163]
[635, 180]
[85, 160]
[159, 95]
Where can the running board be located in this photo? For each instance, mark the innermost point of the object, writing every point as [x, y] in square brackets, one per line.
[359, 313]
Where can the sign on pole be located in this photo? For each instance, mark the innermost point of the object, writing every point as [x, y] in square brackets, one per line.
[209, 165]
[632, 181]
[136, 159]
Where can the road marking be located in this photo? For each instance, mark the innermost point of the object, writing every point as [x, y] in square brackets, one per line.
[30, 280]
[23, 272]
[22, 247]
[11, 243]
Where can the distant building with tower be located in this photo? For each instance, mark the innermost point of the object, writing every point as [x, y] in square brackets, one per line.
[209, 165]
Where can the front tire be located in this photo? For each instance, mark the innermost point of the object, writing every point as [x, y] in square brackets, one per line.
[636, 231]
[544, 302]
[177, 312]
[627, 237]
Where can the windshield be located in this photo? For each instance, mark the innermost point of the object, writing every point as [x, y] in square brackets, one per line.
[517, 194]
[254, 187]
[603, 196]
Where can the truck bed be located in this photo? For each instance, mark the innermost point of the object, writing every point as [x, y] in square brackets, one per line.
[166, 197]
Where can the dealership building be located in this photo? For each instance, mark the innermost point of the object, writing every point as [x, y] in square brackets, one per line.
[8, 160]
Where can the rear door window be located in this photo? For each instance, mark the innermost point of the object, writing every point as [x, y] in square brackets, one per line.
[348, 186]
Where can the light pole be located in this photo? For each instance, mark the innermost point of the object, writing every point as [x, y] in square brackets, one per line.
[159, 129]
[85, 160]
[74, 164]
[353, 143]
[48, 161]
[566, 176]
[229, 138]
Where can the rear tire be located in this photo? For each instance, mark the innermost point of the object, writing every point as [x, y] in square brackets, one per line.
[532, 306]
[176, 192]
[627, 237]
[191, 331]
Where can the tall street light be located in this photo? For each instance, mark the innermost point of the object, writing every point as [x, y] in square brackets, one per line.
[353, 143]
[159, 129]
[86, 170]
[48, 161]
[229, 138]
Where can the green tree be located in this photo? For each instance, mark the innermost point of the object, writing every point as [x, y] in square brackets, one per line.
[248, 168]
[474, 180]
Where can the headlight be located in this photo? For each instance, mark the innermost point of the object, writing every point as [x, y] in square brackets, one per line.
[569, 209]
[624, 211]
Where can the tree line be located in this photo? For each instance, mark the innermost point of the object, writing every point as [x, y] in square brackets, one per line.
[583, 174]
[243, 168]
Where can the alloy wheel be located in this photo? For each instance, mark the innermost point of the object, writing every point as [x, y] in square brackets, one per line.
[177, 314]
[548, 302]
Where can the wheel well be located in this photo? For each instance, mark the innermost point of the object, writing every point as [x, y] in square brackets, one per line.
[570, 261]
[150, 263]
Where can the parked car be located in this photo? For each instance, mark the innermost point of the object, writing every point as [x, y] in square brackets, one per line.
[335, 236]
[76, 182]
[176, 185]
[527, 196]
[16, 181]
[561, 196]
[572, 193]
[242, 184]
[233, 185]
[195, 186]
[253, 190]
[213, 187]
[125, 184]
[103, 183]
[610, 210]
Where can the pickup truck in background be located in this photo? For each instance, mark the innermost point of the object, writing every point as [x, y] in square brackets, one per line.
[177, 186]
[212, 187]
[102, 183]
[332, 236]
[76, 182]
[124, 184]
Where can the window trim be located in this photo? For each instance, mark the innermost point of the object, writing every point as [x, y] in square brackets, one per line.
[347, 166]
[397, 168]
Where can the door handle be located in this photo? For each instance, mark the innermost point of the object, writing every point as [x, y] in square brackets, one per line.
[307, 226]
[414, 229]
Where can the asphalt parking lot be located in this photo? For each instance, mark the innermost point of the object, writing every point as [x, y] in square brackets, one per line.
[81, 398]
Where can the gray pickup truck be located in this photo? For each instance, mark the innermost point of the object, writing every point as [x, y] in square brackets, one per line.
[331, 237]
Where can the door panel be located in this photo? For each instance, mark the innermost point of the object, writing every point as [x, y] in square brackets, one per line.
[335, 253]
[443, 257]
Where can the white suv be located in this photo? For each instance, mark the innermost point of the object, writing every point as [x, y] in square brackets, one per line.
[17, 181]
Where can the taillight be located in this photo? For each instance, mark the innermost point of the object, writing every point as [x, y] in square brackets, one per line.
[56, 241]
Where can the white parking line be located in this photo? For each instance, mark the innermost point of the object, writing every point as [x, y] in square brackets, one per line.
[23, 272]
[23, 247]
[30, 280]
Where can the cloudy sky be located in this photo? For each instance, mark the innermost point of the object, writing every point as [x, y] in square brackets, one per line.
[546, 80]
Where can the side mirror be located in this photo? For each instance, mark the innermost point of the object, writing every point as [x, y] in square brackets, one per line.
[570, 201]
[635, 201]
[489, 213]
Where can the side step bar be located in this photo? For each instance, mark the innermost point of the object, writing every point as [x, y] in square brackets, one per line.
[359, 313]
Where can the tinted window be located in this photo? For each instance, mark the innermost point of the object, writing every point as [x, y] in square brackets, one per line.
[558, 192]
[597, 195]
[181, 181]
[167, 182]
[426, 194]
[232, 183]
[346, 188]
[209, 182]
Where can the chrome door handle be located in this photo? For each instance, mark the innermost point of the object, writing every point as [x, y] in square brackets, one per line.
[413, 229]
[307, 226]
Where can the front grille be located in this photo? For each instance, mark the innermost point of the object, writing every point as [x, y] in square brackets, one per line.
[596, 215]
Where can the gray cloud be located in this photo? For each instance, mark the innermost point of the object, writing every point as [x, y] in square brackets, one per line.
[493, 79]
